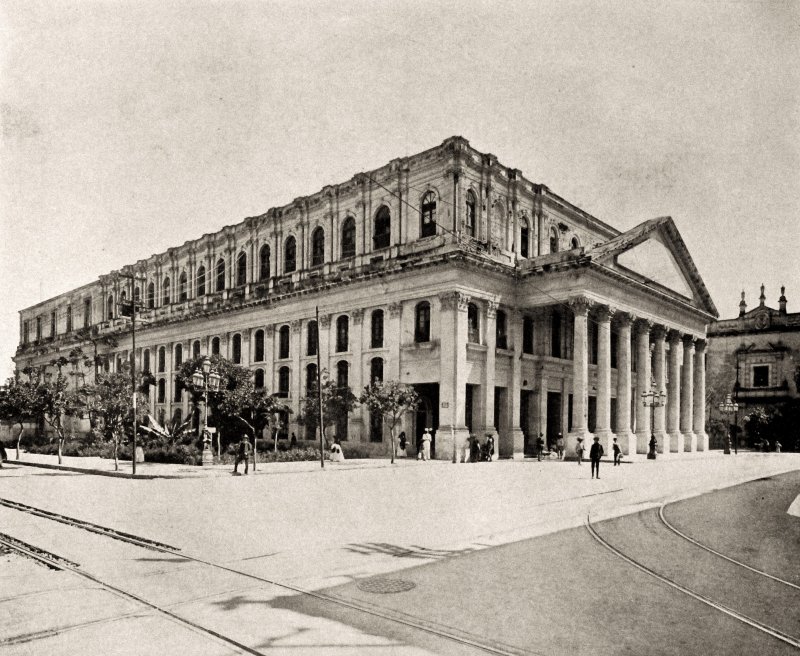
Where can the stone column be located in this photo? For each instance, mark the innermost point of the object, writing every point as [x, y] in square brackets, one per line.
[659, 374]
[700, 395]
[674, 394]
[580, 373]
[270, 378]
[625, 437]
[358, 416]
[392, 337]
[514, 443]
[296, 381]
[603, 423]
[687, 395]
[643, 375]
[452, 431]
[487, 388]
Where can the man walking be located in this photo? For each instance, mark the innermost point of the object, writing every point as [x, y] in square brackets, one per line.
[560, 446]
[617, 453]
[595, 453]
[242, 453]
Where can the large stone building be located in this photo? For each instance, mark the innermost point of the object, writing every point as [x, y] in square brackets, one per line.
[756, 356]
[510, 310]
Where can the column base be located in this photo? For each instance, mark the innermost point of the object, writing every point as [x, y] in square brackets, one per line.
[450, 443]
[689, 442]
[208, 456]
[676, 442]
[516, 440]
[702, 441]
[663, 442]
[642, 442]
[627, 443]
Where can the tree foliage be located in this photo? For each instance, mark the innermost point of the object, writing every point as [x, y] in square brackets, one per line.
[391, 399]
[337, 403]
[18, 404]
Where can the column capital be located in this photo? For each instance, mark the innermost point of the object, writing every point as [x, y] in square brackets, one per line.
[454, 301]
[491, 309]
[674, 337]
[580, 305]
[659, 332]
[643, 326]
[325, 320]
[395, 309]
[700, 346]
[689, 341]
[604, 313]
[358, 315]
[624, 319]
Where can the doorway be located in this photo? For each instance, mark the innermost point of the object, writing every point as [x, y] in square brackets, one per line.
[427, 414]
[553, 416]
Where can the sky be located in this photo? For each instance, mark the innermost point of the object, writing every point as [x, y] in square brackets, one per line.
[131, 127]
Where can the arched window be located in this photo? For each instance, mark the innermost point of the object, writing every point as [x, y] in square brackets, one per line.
[177, 416]
[381, 236]
[137, 295]
[283, 382]
[524, 237]
[317, 247]
[553, 240]
[237, 349]
[470, 215]
[349, 237]
[177, 391]
[342, 382]
[422, 322]
[376, 332]
[258, 379]
[473, 324]
[165, 292]
[196, 349]
[123, 297]
[501, 328]
[178, 355]
[146, 360]
[312, 337]
[215, 346]
[263, 262]
[574, 243]
[241, 270]
[283, 342]
[162, 390]
[110, 311]
[151, 295]
[527, 335]
[342, 333]
[290, 255]
[376, 369]
[162, 359]
[201, 281]
[311, 379]
[220, 274]
[258, 349]
[182, 291]
[427, 215]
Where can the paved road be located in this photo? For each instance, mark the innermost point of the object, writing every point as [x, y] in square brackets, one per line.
[509, 561]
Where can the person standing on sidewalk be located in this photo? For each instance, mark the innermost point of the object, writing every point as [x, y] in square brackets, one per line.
[4, 455]
[579, 450]
[617, 453]
[242, 453]
[595, 453]
[539, 446]
[426, 444]
[560, 446]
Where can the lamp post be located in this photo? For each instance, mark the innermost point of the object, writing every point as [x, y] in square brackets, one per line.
[653, 399]
[727, 408]
[207, 380]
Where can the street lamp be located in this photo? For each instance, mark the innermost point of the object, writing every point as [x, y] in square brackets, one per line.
[727, 408]
[207, 380]
[653, 399]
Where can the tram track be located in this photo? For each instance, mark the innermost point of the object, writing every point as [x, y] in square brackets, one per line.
[702, 598]
[54, 561]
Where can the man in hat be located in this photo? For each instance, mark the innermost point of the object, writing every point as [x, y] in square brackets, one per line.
[595, 453]
[579, 450]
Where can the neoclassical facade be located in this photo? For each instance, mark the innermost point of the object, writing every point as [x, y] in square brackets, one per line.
[510, 310]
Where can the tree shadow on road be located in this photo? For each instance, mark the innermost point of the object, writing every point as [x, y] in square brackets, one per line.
[412, 551]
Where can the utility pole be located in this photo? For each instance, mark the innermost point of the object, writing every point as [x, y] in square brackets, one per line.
[124, 309]
[319, 395]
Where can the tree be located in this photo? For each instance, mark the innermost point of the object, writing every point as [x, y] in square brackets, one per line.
[337, 402]
[18, 402]
[391, 399]
[54, 400]
[110, 398]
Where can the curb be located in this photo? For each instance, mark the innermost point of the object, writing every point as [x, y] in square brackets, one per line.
[94, 472]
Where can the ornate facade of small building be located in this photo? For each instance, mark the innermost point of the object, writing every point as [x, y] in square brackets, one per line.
[510, 310]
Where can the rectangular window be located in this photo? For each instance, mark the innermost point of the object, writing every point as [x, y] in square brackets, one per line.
[87, 312]
[52, 324]
[69, 318]
[38, 329]
[761, 376]
[527, 335]
[26, 332]
[555, 335]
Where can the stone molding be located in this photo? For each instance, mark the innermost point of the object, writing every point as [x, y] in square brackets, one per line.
[395, 309]
[358, 315]
[325, 320]
[491, 309]
[296, 325]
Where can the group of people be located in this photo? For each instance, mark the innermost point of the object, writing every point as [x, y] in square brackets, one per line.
[596, 453]
[477, 451]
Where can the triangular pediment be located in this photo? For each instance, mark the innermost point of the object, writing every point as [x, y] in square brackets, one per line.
[654, 254]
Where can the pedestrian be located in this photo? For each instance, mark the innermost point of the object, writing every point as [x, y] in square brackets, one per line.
[467, 448]
[3, 454]
[617, 453]
[777, 446]
[488, 448]
[337, 455]
[293, 441]
[579, 450]
[595, 453]
[242, 453]
[401, 445]
[651, 454]
[560, 446]
[474, 449]
[426, 444]
[539, 446]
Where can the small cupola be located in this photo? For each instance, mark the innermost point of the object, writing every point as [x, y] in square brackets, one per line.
[762, 298]
[742, 306]
[782, 301]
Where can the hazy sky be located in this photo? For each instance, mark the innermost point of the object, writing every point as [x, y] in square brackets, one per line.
[130, 127]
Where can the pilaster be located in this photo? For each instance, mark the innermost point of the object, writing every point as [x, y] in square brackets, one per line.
[513, 444]
[643, 376]
[452, 387]
[700, 395]
[487, 388]
[659, 375]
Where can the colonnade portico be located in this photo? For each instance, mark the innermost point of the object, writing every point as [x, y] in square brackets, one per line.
[678, 371]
